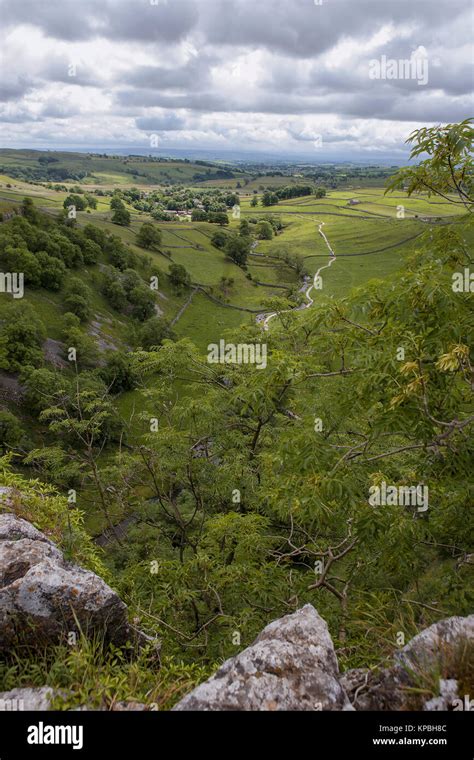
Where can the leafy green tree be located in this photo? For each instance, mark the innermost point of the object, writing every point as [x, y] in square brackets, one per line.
[264, 230]
[244, 228]
[86, 351]
[39, 386]
[91, 252]
[78, 305]
[119, 374]
[448, 171]
[19, 259]
[116, 295]
[153, 332]
[219, 239]
[149, 236]
[198, 215]
[121, 217]
[116, 203]
[85, 420]
[91, 200]
[79, 203]
[179, 277]
[218, 217]
[237, 248]
[96, 234]
[53, 271]
[269, 198]
[29, 211]
[11, 431]
[143, 302]
[78, 299]
[21, 337]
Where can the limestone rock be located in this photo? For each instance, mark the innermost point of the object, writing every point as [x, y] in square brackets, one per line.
[26, 699]
[448, 693]
[43, 596]
[434, 650]
[291, 665]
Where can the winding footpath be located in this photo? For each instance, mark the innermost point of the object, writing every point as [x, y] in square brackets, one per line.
[264, 320]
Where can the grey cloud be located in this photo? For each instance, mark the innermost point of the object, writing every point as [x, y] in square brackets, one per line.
[53, 110]
[14, 89]
[16, 116]
[167, 123]
[198, 101]
[69, 71]
[294, 37]
[113, 19]
[195, 73]
[303, 30]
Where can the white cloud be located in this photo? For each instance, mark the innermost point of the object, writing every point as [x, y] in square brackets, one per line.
[211, 73]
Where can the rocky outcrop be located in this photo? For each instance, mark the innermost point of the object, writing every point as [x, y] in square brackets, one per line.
[44, 598]
[41, 699]
[26, 699]
[291, 665]
[438, 650]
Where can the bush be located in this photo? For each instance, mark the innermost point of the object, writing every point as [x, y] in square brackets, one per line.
[11, 431]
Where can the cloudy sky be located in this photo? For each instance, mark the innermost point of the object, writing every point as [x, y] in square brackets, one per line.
[294, 77]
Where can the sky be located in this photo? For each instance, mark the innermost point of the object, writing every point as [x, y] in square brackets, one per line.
[322, 79]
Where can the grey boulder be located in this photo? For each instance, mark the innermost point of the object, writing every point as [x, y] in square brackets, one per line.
[44, 598]
[291, 665]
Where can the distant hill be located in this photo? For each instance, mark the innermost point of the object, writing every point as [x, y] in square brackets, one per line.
[57, 166]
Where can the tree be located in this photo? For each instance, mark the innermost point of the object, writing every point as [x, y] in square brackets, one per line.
[21, 338]
[218, 217]
[116, 203]
[264, 230]
[149, 236]
[122, 217]
[269, 198]
[198, 215]
[85, 346]
[29, 211]
[153, 332]
[91, 200]
[78, 299]
[91, 252]
[78, 305]
[449, 168]
[219, 239]
[238, 248]
[118, 373]
[80, 204]
[320, 192]
[143, 302]
[179, 277]
[84, 418]
[11, 431]
[244, 228]
[254, 201]
[116, 295]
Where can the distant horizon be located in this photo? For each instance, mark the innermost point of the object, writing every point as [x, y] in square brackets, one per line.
[232, 156]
